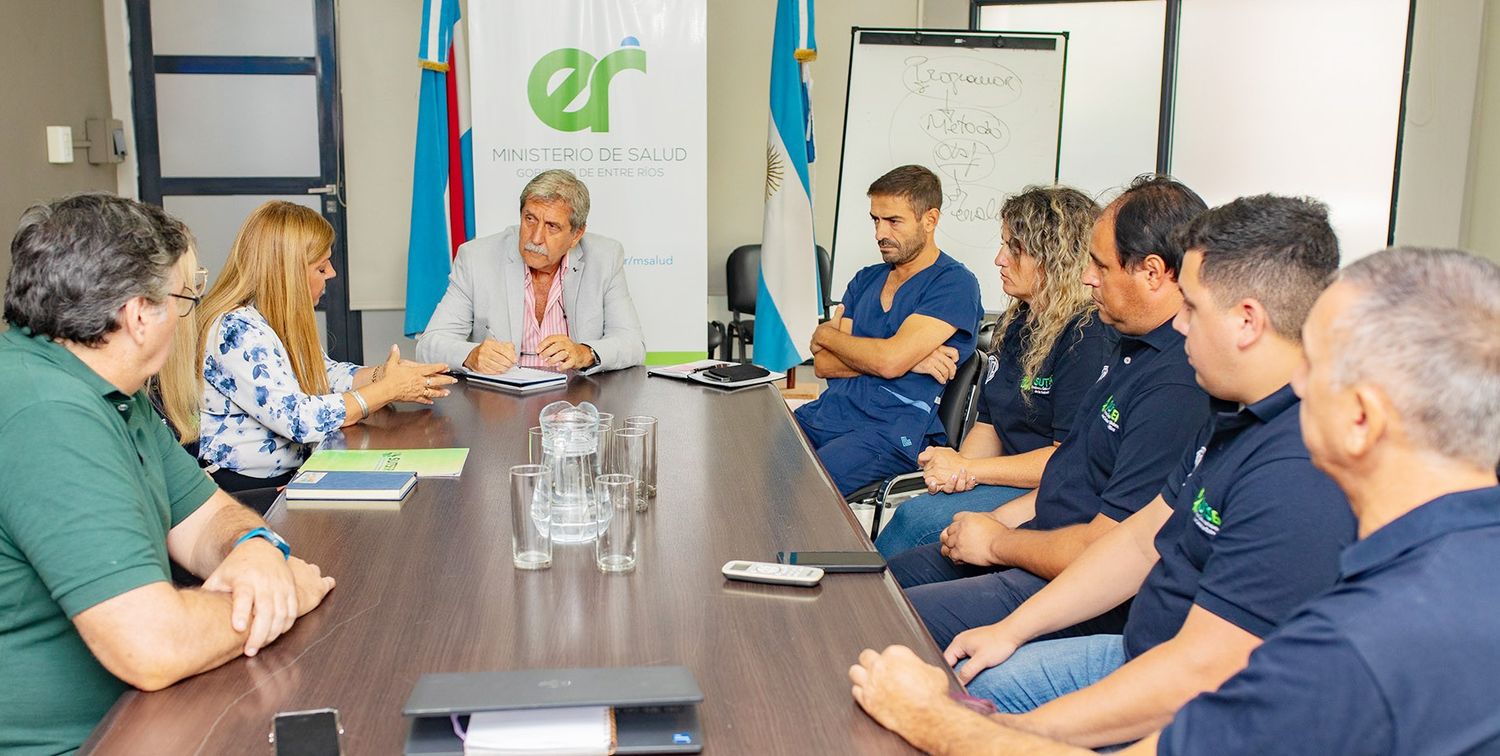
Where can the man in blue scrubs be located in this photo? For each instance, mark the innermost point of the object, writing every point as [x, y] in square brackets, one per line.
[1252, 530]
[1399, 400]
[889, 348]
[1130, 432]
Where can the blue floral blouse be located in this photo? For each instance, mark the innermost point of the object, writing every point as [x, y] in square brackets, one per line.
[255, 419]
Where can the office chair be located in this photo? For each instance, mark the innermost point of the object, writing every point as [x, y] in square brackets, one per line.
[741, 281]
[954, 411]
[716, 339]
[825, 279]
[957, 411]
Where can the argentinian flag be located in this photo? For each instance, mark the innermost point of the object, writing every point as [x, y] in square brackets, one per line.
[788, 304]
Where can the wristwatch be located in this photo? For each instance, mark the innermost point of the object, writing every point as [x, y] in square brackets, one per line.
[594, 354]
[269, 535]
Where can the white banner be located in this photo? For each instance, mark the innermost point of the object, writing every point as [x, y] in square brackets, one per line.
[615, 91]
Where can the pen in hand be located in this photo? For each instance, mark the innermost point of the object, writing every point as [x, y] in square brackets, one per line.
[493, 337]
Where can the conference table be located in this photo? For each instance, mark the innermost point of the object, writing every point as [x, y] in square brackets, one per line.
[431, 587]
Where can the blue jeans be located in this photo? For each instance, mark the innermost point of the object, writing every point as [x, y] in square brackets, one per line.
[921, 519]
[1046, 669]
[951, 598]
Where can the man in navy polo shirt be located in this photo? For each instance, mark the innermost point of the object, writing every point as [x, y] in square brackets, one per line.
[1252, 530]
[888, 349]
[1141, 413]
[1399, 400]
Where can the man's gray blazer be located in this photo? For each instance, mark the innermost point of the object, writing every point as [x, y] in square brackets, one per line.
[485, 294]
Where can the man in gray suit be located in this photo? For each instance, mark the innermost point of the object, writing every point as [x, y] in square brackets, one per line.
[541, 294]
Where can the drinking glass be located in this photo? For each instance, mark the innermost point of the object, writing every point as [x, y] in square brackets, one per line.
[606, 435]
[530, 526]
[534, 448]
[629, 446]
[648, 478]
[614, 549]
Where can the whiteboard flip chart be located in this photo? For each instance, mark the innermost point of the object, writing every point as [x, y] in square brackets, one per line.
[984, 118]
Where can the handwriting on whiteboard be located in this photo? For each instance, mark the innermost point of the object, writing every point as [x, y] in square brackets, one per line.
[974, 80]
[956, 103]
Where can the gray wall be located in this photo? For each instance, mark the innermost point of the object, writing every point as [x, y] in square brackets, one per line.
[52, 56]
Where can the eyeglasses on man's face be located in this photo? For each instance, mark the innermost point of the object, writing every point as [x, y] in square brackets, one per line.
[191, 294]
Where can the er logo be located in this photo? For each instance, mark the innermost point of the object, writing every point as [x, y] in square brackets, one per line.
[551, 96]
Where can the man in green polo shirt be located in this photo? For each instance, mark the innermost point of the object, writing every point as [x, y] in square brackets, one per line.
[97, 498]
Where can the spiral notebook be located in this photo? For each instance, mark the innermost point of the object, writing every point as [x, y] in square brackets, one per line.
[517, 380]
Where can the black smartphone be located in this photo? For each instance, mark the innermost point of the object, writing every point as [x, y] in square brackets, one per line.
[835, 561]
[308, 733]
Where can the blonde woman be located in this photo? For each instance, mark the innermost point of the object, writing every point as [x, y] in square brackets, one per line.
[269, 391]
[1049, 348]
[175, 391]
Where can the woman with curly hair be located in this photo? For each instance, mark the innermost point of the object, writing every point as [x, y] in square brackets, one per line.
[1048, 349]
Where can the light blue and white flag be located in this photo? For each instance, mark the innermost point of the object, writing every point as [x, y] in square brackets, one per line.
[442, 193]
[789, 301]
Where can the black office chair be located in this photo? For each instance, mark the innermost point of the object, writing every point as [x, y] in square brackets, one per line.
[825, 277]
[954, 411]
[741, 281]
[716, 339]
[957, 410]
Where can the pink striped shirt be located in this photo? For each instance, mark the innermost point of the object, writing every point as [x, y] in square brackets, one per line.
[554, 321]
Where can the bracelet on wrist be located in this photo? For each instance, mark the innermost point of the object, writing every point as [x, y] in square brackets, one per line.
[270, 536]
[364, 407]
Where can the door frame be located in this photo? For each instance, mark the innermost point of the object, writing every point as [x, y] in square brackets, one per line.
[345, 326]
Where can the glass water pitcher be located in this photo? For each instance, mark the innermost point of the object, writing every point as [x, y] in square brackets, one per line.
[571, 451]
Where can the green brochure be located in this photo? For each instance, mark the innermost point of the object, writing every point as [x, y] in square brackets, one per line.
[426, 463]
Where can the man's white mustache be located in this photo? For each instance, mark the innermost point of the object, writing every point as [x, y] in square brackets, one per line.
[535, 249]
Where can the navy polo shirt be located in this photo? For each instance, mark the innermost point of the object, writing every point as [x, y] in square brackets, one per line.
[1131, 429]
[1401, 656]
[1028, 423]
[1255, 530]
[903, 410]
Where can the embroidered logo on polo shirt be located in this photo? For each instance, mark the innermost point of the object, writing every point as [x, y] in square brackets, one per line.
[994, 367]
[1204, 516]
[1110, 413]
[1039, 386]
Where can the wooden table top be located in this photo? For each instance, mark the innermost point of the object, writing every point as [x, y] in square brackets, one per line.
[431, 588]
